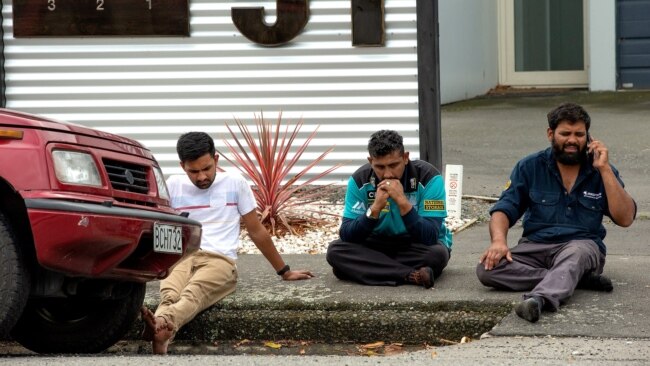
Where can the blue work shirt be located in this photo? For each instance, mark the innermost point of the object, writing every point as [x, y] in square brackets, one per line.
[550, 213]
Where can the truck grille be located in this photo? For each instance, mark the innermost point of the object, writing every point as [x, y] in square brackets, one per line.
[127, 177]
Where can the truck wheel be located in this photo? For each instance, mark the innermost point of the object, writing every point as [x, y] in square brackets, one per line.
[14, 279]
[78, 324]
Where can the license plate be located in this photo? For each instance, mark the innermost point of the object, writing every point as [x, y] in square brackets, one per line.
[167, 238]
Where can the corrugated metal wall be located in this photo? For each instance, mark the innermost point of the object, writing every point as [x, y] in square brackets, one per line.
[154, 89]
[633, 34]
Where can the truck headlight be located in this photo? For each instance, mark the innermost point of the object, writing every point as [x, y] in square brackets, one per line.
[75, 168]
[160, 182]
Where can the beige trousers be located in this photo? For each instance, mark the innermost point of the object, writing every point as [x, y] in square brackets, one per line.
[196, 283]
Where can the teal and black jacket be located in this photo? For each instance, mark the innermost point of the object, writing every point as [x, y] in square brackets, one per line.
[424, 188]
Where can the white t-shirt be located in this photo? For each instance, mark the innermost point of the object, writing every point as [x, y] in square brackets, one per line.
[219, 208]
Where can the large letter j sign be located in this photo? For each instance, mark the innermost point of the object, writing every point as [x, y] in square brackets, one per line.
[292, 16]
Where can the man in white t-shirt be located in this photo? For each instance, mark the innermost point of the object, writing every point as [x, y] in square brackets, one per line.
[219, 202]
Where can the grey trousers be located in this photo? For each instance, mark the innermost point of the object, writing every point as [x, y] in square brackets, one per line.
[550, 271]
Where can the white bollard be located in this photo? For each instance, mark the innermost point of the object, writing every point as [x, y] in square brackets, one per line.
[454, 190]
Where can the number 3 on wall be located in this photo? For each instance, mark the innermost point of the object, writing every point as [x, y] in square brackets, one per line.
[291, 18]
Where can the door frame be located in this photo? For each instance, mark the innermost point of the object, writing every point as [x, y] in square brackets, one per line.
[507, 74]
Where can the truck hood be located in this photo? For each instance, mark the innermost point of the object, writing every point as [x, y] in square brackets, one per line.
[10, 117]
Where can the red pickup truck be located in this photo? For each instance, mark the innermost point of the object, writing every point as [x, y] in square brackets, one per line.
[85, 222]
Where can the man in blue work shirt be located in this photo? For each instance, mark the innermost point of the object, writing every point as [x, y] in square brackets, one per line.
[393, 229]
[562, 193]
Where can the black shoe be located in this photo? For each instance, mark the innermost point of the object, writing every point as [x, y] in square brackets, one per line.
[595, 282]
[529, 309]
[422, 277]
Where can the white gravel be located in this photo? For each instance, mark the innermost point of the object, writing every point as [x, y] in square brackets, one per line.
[316, 241]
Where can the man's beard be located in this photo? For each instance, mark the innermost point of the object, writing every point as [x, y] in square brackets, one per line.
[568, 158]
[204, 184]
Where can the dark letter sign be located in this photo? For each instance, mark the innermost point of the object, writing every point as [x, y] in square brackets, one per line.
[56, 18]
[292, 16]
[368, 23]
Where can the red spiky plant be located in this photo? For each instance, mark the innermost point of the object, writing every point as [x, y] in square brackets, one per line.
[283, 202]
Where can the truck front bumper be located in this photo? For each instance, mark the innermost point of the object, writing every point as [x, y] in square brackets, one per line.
[103, 241]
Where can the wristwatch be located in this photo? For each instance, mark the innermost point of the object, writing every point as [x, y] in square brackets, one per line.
[369, 214]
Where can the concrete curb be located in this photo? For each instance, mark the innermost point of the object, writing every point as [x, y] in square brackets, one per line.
[325, 309]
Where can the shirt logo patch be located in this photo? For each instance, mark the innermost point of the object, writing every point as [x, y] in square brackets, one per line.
[359, 207]
[593, 196]
[434, 205]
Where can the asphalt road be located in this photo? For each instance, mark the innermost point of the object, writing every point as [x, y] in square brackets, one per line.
[492, 351]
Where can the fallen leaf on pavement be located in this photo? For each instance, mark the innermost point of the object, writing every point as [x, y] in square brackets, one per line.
[373, 345]
[241, 343]
[272, 345]
[393, 349]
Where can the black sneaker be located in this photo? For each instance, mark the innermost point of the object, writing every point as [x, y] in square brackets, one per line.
[422, 277]
[529, 309]
[595, 282]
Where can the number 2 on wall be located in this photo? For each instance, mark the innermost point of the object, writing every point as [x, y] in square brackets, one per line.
[51, 5]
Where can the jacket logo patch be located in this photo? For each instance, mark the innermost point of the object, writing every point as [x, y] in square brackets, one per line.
[593, 196]
[434, 205]
[359, 207]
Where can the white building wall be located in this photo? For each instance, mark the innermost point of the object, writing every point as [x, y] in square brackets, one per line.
[602, 45]
[468, 48]
[154, 89]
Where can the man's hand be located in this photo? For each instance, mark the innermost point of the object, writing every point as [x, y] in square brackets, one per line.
[381, 197]
[382, 193]
[600, 153]
[493, 255]
[264, 243]
[621, 205]
[297, 275]
[499, 248]
[393, 188]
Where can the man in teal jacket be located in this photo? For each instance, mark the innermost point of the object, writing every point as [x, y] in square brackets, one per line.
[393, 229]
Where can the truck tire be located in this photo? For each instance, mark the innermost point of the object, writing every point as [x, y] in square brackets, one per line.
[14, 279]
[78, 324]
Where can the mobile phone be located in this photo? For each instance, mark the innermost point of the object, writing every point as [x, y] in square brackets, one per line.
[590, 155]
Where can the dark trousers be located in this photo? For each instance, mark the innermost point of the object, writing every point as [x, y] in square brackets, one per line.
[550, 271]
[379, 263]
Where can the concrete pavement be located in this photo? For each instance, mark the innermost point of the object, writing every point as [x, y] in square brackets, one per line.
[487, 136]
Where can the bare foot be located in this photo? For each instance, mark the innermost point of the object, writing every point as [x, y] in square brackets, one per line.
[163, 335]
[149, 320]
[157, 330]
